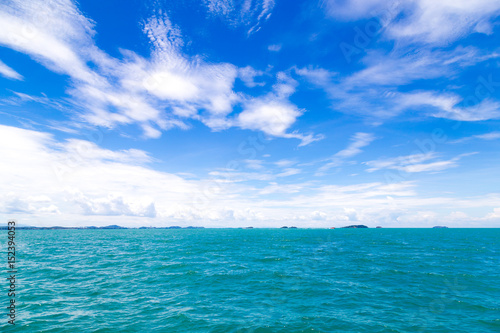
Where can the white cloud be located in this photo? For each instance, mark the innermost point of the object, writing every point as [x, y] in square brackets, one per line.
[20, 99]
[284, 163]
[76, 177]
[247, 13]
[421, 21]
[358, 141]
[401, 68]
[254, 164]
[319, 215]
[228, 176]
[113, 205]
[489, 136]
[272, 117]
[414, 163]
[494, 215]
[49, 32]
[174, 78]
[274, 47]
[379, 91]
[445, 21]
[485, 110]
[90, 152]
[289, 172]
[274, 187]
[356, 9]
[248, 74]
[273, 114]
[166, 37]
[376, 90]
[485, 136]
[449, 106]
[318, 76]
[9, 73]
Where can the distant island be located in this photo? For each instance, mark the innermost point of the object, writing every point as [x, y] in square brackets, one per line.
[114, 226]
[440, 227]
[356, 226]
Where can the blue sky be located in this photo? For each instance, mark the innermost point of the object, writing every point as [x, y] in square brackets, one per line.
[227, 113]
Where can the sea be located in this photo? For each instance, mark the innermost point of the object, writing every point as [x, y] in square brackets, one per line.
[255, 280]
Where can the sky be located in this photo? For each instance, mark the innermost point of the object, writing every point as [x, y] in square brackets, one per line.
[264, 113]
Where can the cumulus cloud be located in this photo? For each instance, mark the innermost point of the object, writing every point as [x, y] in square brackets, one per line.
[78, 172]
[274, 114]
[113, 205]
[272, 117]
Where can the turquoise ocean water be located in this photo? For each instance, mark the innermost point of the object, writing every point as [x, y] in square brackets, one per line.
[257, 280]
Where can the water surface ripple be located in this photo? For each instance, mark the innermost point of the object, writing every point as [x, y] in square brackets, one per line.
[257, 280]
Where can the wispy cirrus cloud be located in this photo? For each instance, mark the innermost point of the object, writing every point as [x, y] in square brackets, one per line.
[248, 13]
[414, 163]
[425, 35]
[358, 141]
[421, 21]
[9, 73]
[485, 136]
[379, 91]
[445, 21]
